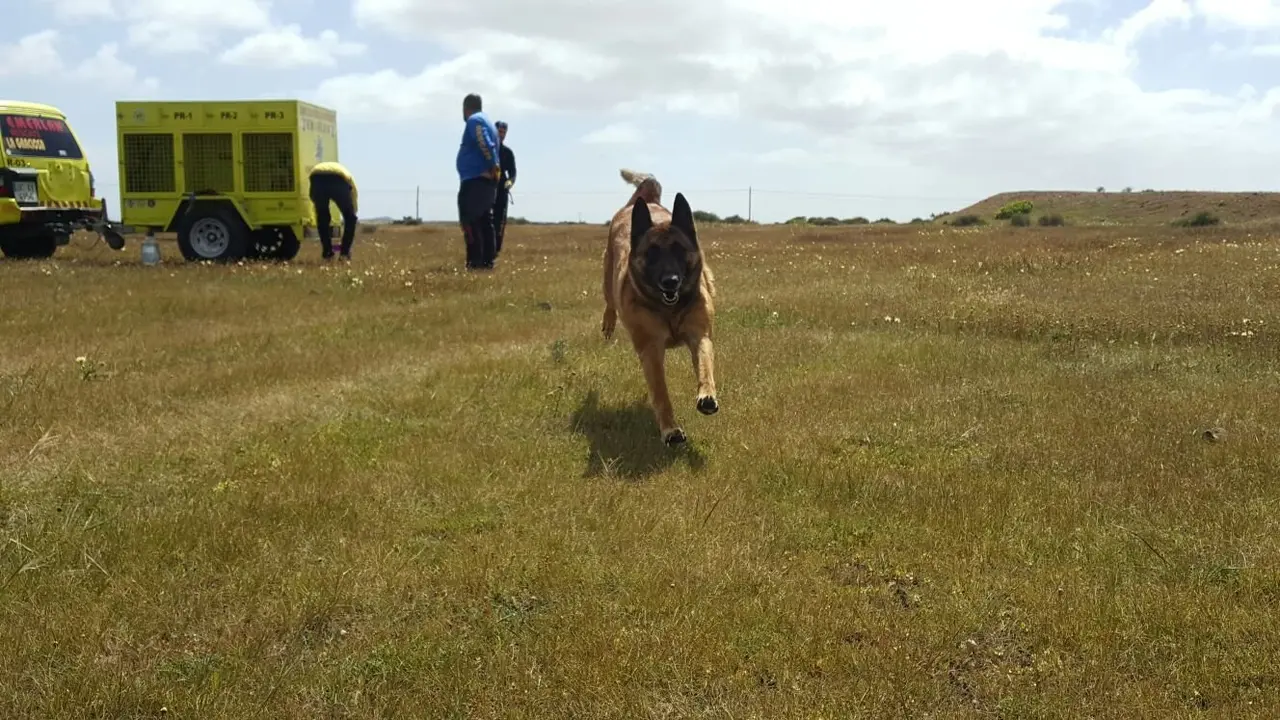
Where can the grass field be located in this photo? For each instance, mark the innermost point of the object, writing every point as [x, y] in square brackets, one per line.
[1016, 473]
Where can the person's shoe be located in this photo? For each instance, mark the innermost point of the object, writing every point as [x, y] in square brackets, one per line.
[344, 257]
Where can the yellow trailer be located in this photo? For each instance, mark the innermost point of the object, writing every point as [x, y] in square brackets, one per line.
[228, 177]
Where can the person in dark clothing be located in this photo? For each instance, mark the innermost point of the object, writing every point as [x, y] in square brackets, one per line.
[478, 172]
[508, 179]
[331, 182]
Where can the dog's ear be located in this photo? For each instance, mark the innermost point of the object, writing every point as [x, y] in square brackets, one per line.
[641, 221]
[682, 219]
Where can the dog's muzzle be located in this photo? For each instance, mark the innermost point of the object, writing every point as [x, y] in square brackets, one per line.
[669, 286]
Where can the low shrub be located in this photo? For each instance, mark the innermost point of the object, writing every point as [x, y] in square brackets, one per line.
[1200, 219]
[1018, 207]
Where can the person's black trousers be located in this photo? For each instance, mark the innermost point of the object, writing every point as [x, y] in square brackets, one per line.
[326, 188]
[500, 219]
[476, 197]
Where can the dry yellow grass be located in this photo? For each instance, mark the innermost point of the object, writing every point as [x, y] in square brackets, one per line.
[957, 473]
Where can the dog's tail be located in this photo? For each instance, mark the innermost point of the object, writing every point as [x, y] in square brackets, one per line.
[647, 186]
[634, 177]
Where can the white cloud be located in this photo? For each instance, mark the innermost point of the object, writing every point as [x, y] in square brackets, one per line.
[37, 56]
[786, 156]
[939, 85]
[106, 70]
[438, 90]
[287, 48]
[77, 11]
[167, 27]
[1150, 18]
[33, 54]
[620, 133]
[1241, 14]
[191, 26]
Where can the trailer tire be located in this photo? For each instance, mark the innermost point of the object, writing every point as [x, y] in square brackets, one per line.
[274, 243]
[30, 247]
[212, 232]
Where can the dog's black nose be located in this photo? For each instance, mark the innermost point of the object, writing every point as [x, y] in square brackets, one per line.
[669, 282]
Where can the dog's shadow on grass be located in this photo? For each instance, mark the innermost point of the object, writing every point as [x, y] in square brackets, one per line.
[624, 441]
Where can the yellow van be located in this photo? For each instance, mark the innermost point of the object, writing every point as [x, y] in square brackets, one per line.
[46, 186]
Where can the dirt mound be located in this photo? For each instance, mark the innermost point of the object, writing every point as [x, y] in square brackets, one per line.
[1134, 208]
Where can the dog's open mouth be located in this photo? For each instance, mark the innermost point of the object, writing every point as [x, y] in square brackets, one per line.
[670, 298]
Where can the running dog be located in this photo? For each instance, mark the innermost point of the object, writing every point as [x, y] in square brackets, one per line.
[656, 279]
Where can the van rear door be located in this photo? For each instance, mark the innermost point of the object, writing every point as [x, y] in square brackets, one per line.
[47, 145]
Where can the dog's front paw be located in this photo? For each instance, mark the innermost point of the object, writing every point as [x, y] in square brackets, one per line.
[673, 437]
[608, 323]
[707, 405]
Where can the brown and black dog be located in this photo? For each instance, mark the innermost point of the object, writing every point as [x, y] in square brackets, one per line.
[656, 279]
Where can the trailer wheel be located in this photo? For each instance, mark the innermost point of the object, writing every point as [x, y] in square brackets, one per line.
[30, 247]
[274, 243]
[212, 232]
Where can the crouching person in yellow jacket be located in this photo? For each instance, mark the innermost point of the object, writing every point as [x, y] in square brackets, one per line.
[331, 182]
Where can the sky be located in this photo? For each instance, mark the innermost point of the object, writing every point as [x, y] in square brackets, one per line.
[859, 108]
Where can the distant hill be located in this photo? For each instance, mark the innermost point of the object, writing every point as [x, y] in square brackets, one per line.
[1133, 208]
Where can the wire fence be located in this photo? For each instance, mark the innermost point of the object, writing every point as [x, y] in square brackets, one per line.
[751, 203]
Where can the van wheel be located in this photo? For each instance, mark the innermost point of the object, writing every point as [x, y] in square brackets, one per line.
[274, 243]
[213, 233]
[31, 247]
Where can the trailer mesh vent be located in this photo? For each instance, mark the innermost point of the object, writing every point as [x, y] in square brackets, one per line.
[268, 163]
[148, 163]
[208, 162]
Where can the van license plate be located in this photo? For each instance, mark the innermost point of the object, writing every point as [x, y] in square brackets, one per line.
[25, 193]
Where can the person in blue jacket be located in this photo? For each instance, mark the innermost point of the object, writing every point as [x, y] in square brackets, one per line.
[479, 169]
